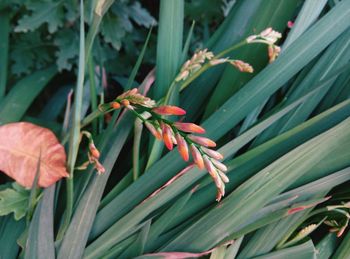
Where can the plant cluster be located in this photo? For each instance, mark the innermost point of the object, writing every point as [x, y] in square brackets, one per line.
[251, 108]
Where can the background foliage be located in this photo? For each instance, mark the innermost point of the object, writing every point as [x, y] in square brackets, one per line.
[284, 130]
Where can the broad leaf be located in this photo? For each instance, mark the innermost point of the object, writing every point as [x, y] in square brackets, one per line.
[21, 145]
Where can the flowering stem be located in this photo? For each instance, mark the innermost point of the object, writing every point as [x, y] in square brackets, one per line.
[208, 65]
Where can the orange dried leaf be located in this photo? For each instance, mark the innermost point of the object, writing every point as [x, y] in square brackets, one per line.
[20, 147]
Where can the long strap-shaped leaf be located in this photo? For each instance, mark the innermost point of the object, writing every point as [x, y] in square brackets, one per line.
[258, 190]
[119, 228]
[298, 54]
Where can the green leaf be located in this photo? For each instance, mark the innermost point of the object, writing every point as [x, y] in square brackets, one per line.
[305, 250]
[141, 16]
[67, 42]
[10, 230]
[113, 30]
[255, 192]
[138, 246]
[15, 104]
[299, 53]
[4, 48]
[14, 199]
[307, 15]
[77, 234]
[343, 251]
[326, 247]
[273, 13]
[40, 241]
[28, 53]
[169, 44]
[50, 12]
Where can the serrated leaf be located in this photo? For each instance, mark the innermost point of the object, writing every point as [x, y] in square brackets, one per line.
[28, 53]
[50, 12]
[141, 16]
[67, 42]
[114, 28]
[14, 199]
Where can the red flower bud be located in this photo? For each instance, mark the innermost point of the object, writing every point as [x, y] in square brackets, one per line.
[167, 136]
[182, 147]
[197, 157]
[169, 110]
[115, 105]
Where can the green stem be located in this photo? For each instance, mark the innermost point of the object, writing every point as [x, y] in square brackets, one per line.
[93, 94]
[136, 148]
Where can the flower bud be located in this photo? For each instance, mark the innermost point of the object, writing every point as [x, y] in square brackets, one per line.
[189, 127]
[169, 110]
[202, 141]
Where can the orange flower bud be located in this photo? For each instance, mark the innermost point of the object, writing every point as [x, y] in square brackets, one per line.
[125, 102]
[167, 136]
[210, 167]
[189, 127]
[202, 141]
[169, 110]
[94, 151]
[153, 130]
[197, 157]
[115, 105]
[182, 147]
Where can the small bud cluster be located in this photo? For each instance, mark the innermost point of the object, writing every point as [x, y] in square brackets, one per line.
[269, 37]
[175, 133]
[93, 155]
[129, 99]
[194, 64]
[337, 227]
[239, 64]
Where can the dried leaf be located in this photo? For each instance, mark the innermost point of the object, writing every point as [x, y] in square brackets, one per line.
[20, 147]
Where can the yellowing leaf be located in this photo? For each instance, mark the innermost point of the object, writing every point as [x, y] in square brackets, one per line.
[20, 146]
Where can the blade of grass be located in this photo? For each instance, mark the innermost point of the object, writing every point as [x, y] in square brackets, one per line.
[343, 251]
[326, 247]
[307, 16]
[273, 14]
[305, 250]
[138, 246]
[78, 231]
[169, 48]
[334, 58]
[40, 242]
[236, 25]
[255, 192]
[15, 104]
[300, 52]
[138, 62]
[10, 230]
[169, 44]
[74, 139]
